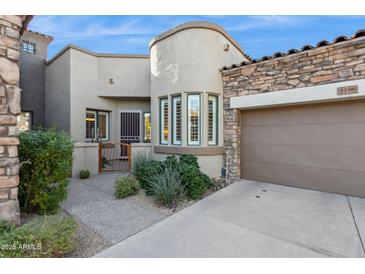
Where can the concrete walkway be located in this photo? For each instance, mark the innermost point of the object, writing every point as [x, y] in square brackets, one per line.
[251, 219]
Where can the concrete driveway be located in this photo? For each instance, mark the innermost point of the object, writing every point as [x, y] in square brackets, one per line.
[252, 219]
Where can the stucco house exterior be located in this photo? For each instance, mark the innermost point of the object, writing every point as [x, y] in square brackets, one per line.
[294, 118]
[177, 87]
[32, 63]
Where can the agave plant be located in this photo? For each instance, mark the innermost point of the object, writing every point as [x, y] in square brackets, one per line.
[166, 187]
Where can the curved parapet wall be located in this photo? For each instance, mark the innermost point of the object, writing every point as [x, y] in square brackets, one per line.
[189, 56]
[197, 25]
[187, 60]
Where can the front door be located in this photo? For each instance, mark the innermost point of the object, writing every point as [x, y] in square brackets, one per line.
[130, 127]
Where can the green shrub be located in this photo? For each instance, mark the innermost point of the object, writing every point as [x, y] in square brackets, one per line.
[84, 174]
[45, 236]
[196, 183]
[43, 182]
[125, 186]
[138, 162]
[148, 171]
[188, 159]
[166, 187]
[5, 227]
[171, 162]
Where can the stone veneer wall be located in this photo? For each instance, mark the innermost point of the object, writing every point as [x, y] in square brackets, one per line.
[333, 63]
[10, 27]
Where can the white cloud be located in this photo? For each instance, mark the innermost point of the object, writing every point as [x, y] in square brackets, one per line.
[128, 27]
[260, 22]
[87, 27]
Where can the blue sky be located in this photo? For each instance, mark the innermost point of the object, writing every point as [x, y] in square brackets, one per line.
[258, 35]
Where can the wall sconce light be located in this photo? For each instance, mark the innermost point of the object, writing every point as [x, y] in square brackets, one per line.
[226, 47]
[111, 81]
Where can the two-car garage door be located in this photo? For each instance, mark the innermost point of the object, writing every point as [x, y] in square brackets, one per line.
[319, 146]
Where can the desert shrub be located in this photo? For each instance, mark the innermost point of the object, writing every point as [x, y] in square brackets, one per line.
[84, 174]
[196, 183]
[148, 171]
[43, 182]
[188, 159]
[138, 162]
[166, 187]
[45, 236]
[125, 186]
[171, 162]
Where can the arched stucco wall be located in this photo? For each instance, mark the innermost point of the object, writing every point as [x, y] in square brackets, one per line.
[187, 59]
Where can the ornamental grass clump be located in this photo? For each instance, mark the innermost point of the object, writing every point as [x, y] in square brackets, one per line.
[166, 187]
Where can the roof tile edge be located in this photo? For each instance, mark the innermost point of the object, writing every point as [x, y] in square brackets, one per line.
[360, 34]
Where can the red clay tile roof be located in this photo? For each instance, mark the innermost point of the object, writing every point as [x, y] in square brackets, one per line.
[342, 38]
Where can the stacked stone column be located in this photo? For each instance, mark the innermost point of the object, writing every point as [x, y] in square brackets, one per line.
[10, 27]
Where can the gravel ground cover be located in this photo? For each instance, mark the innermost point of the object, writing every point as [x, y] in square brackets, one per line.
[105, 220]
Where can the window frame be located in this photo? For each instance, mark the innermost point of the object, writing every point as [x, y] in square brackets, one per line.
[96, 123]
[216, 119]
[144, 127]
[106, 123]
[162, 123]
[174, 141]
[25, 47]
[198, 143]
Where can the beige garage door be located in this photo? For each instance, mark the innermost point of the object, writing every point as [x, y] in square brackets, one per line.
[319, 146]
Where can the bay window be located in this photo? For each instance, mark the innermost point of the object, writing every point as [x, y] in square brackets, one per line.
[193, 119]
[212, 120]
[164, 125]
[176, 120]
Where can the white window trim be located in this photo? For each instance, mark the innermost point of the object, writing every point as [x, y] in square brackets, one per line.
[144, 126]
[214, 98]
[107, 123]
[96, 113]
[95, 124]
[175, 99]
[190, 142]
[162, 121]
[26, 44]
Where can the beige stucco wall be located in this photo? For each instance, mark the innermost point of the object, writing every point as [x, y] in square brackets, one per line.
[85, 156]
[58, 100]
[131, 77]
[189, 61]
[85, 91]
